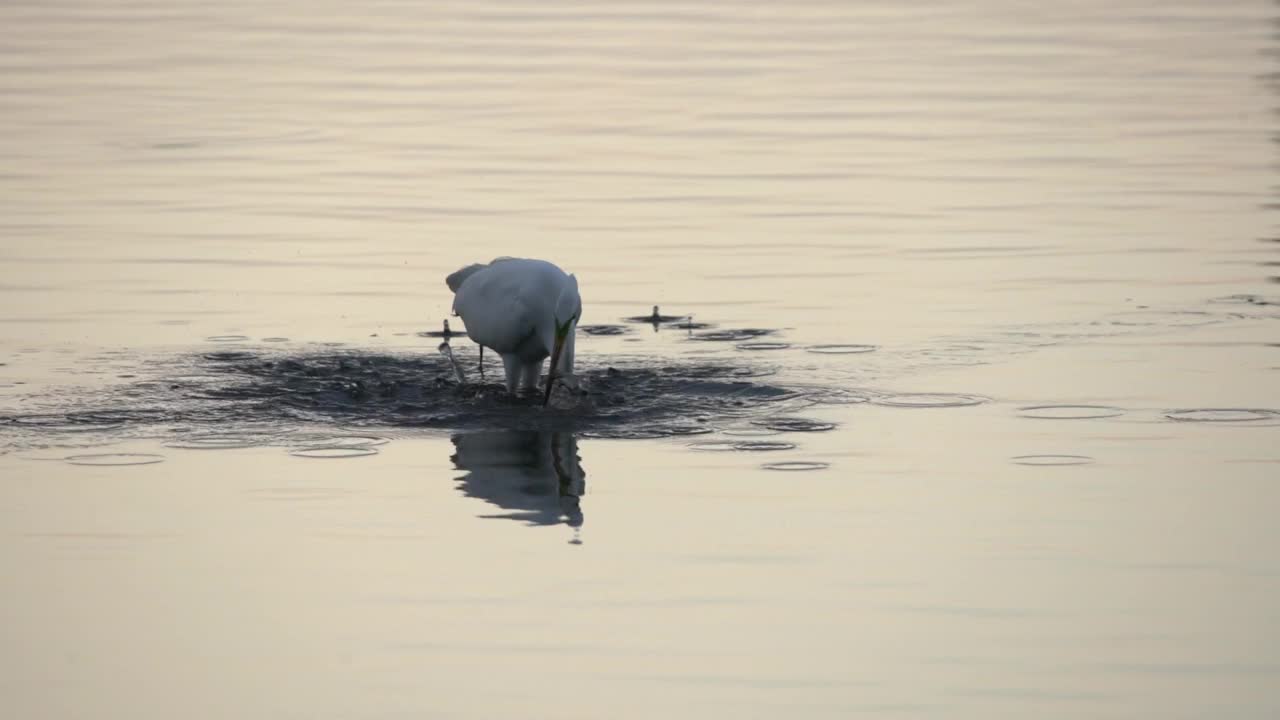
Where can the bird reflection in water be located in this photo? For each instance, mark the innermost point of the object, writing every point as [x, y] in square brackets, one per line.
[535, 477]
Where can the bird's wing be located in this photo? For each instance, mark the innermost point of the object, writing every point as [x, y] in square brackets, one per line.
[456, 278]
[495, 310]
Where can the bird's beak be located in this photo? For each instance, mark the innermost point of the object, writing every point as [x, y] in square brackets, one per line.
[555, 362]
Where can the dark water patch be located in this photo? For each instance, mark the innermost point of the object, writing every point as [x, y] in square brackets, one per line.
[742, 445]
[216, 442]
[240, 392]
[73, 422]
[763, 446]
[1225, 415]
[275, 339]
[796, 466]
[604, 329]
[689, 325]
[1051, 460]
[334, 452]
[249, 398]
[929, 400]
[316, 440]
[677, 429]
[841, 349]
[732, 335]
[228, 355]
[755, 346]
[114, 459]
[193, 378]
[794, 424]
[723, 371]
[1070, 412]
[750, 432]
[792, 398]
[624, 434]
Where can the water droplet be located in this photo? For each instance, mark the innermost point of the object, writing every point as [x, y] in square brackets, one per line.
[115, 459]
[689, 325]
[689, 429]
[929, 400]
[624, 434]
[732, 335]
[1070, 412]
[1241, 299]
[1223, 415]
[836, 396]
[214, 442]
[1049, 460]
[228, 356]
[751, 432]
[715, 445]
[334, 452]
[763, 446]
[794, 424]
[841, 349]
[796, 466]
[315, 441]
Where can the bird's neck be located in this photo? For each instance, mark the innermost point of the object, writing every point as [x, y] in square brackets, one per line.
[566, 354]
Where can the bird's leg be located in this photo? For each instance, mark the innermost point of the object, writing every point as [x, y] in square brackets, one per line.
[482, 364]
[529, 375]
[511, 364]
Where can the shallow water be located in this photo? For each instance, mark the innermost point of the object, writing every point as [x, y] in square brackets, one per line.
[963, 402]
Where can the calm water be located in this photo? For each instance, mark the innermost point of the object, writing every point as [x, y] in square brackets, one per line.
[1042, 483]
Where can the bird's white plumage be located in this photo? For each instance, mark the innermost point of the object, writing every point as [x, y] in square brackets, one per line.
[514, 306]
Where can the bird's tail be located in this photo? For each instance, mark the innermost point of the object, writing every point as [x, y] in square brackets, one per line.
[455, 279]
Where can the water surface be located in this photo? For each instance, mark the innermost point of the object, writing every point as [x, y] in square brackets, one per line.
[1006, 449]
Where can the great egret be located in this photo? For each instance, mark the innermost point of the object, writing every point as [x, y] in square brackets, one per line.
[524, 310]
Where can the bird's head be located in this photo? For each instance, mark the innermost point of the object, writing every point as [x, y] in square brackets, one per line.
[568, 309]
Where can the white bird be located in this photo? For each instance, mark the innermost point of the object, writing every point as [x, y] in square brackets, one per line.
[524, 310]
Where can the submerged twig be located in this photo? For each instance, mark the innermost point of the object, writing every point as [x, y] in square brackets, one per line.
[447, 351]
